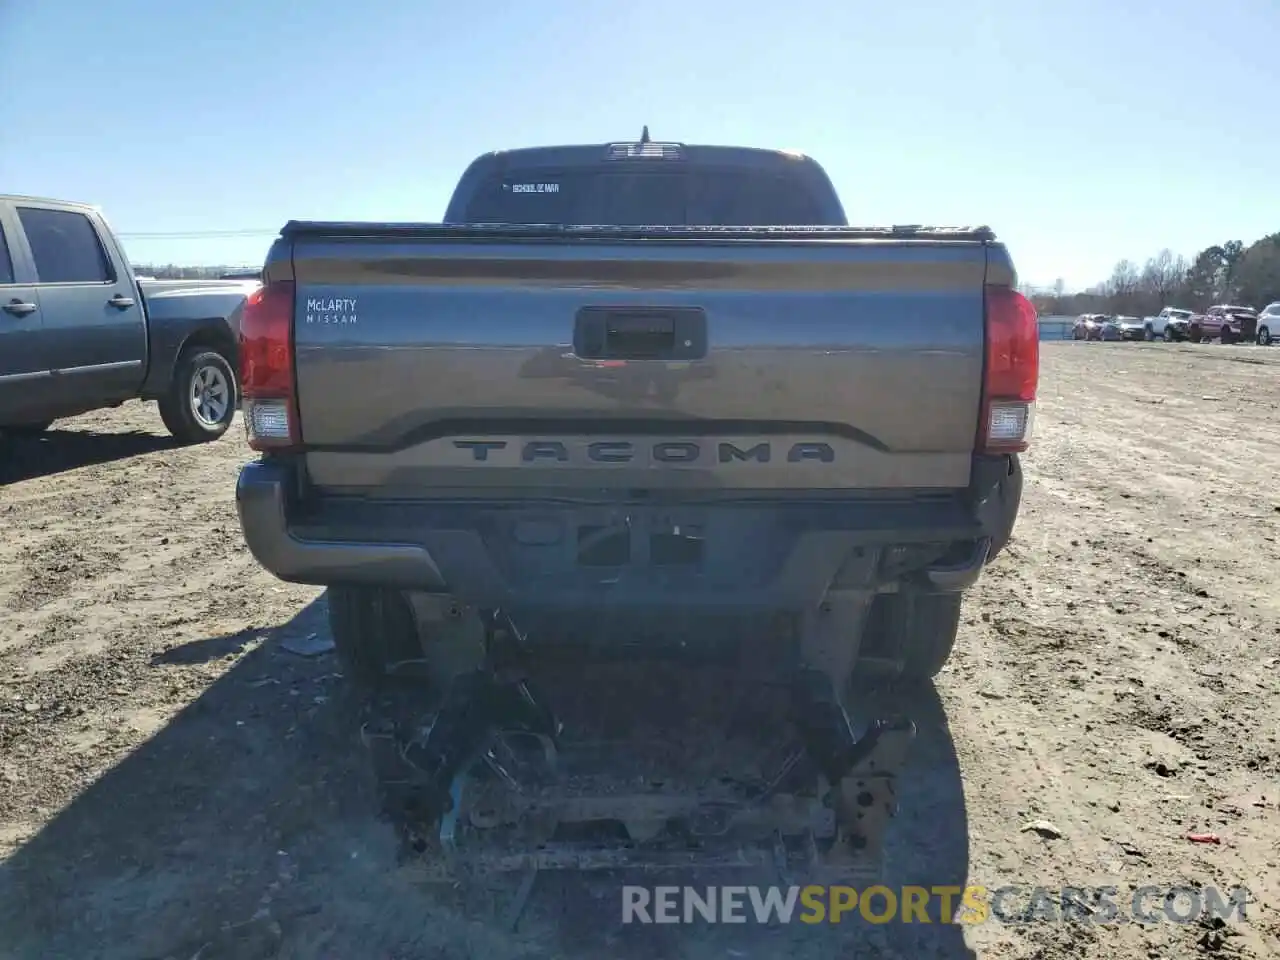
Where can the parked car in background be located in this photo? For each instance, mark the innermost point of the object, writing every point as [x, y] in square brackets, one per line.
[1268, 323]
[1229, 323]
[1088, 326]
[1131, 328]
[1157, 327]
[80, 332]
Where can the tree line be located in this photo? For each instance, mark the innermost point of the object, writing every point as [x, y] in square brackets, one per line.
[1223, 273]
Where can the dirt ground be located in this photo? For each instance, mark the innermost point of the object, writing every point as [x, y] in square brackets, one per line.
[174, 783]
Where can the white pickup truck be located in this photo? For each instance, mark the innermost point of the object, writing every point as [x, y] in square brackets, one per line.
[1169, 324]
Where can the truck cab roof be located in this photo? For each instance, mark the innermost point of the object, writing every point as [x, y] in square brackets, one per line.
[76, 205]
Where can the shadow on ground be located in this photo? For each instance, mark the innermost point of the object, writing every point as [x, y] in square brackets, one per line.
[206, 650]
[246, 829]
[54, 451]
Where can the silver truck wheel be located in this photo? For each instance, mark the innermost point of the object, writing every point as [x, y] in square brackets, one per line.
[202, 397]
[1264, 336]
[210, 396]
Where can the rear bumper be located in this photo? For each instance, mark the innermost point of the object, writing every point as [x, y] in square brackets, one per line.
[770, 554]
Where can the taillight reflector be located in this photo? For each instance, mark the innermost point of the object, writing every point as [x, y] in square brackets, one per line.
[266, 367]
[1011, 372]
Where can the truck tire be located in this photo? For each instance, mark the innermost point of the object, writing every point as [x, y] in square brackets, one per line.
[1264, 336]
[373, 628]
[202, 397]
[920, 628]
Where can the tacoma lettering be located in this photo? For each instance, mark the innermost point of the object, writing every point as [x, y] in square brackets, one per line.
[675, 452]
[610, 451]
[662, 451]
[480, 448]
[536, 450]
[811, 451]
[758, 453]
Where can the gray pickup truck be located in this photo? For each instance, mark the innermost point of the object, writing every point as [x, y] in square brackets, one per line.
[637, 403]
[78, 332]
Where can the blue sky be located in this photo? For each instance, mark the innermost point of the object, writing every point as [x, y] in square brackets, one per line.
[1083, 132]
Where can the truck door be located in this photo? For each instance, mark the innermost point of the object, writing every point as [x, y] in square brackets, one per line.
[24, 373]
[94, 332]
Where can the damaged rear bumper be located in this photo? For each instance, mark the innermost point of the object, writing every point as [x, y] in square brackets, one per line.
[780, 553]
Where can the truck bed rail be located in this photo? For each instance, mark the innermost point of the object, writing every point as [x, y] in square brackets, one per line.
[551, 232]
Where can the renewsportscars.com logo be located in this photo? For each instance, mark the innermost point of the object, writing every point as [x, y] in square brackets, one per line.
[939, 904]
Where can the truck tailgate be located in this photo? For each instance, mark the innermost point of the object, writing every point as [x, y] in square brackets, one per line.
[429, 363]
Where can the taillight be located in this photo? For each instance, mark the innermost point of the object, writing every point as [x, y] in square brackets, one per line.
[1011, 372]
[266, 367]
[646, 150]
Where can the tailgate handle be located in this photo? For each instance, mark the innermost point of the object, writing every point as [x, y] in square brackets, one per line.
[640, 333]
[626, 337]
